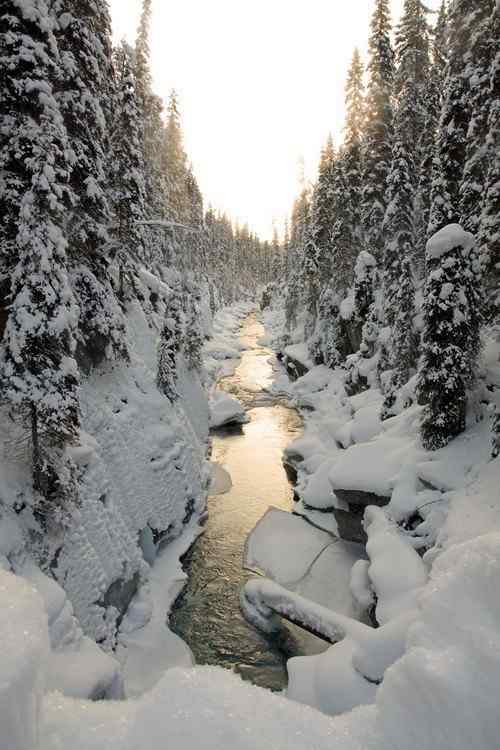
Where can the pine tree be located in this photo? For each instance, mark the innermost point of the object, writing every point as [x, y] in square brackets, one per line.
[445, 367]
[404, 340]
[174, 164]
[343, 230]
[489, 230]
[322, 215]
[151, 110]
[454, 121]
[330, 328]
[365, 278]
[85, 96]
[398, 223]
[427, 142]
[170, 346]
[378, 128]
[38, 373]
[481, 46]
[193, 335]
[310, 272]
[128, 179]
[352, 157]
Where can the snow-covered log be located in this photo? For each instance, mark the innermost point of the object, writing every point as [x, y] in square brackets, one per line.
[263, 601]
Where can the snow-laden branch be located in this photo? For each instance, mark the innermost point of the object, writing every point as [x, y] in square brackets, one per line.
[167, 225]
[262, 601]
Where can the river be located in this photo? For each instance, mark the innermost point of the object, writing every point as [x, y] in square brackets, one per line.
[207, 614]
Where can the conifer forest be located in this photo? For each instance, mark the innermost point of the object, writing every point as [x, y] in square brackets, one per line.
[249, 484]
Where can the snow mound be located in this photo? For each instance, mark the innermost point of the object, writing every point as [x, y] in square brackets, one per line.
[226, 410]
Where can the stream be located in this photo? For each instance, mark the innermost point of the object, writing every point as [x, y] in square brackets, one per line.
[207, 614]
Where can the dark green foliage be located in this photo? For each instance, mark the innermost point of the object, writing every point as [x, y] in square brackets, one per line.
[445, 368]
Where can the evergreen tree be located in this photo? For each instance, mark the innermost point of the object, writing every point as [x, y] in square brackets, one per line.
[330, 328]
[84, 96]
[128, 179]
[398, 223]
[489, 230]
[170, 346]
[174, 165]
[151, 110]
[193, 335]
[38, 373]
[343, 230]
[365, 278]
[427, 142]
[445, 366]
[352, 161]
[378, 128]
[322, 216]
[480, 47]
[454, 121]
[404, 340]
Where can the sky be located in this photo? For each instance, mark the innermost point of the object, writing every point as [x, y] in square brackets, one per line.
[260, 85]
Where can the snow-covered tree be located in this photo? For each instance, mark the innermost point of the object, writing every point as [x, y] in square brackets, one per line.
[489, 230]
[446, 368]
[151, 114]
[454, 121]
[330, 331]
[127, 170]
[322, 212]
[84, 95]
[404, 348]
[174, 164]
[378, 127]
[427, 140]
[365, 278]
[352, 151]
[193, 335]
[38, 372]
[170, 345]
[481, 45]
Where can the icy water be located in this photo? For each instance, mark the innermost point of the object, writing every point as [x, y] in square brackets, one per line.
[207, 614]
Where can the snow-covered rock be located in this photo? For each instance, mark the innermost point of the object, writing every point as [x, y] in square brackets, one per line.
[226, 410]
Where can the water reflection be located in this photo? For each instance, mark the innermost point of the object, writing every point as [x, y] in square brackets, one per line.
[207, 615]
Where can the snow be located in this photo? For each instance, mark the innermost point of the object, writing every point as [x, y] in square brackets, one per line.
[25, 647]
[225, 410]
[446, 239]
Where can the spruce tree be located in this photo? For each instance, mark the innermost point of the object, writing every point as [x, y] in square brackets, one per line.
[151, 110]
[344, 241]
[454, 121]
[322, 215]
[170, 345]
[174, 164]
[352, 156]
[85, 98]
[480, 48]
[38, 372]
[365, 278]
[489, 230]
[128, 188]
[446, 367]
[378, 128]
[404, 339]
[427, 142]
[330, 328]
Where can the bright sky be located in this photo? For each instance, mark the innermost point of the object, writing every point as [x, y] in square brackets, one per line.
[261, 83]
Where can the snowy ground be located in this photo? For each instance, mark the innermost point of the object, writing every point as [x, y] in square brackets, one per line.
[434, 664]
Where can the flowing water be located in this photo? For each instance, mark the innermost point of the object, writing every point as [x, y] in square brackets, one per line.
[207, 614]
